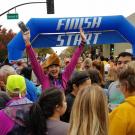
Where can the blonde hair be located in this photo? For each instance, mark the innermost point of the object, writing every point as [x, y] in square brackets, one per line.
[8, 70]
[112, 74]
[127, 76]
[99, 65]
[5, 71]
[89, 115]
[87, 62]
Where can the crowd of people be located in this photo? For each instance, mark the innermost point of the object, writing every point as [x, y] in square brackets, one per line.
[87, 97]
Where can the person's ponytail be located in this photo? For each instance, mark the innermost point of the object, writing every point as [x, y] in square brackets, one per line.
[37, 120]
[43, 109]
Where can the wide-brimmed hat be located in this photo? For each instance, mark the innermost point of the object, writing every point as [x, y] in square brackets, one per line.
[53, 59]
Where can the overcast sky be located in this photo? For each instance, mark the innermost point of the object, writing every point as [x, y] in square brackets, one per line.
[65, 8]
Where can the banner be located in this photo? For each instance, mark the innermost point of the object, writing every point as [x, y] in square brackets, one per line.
[51, 32]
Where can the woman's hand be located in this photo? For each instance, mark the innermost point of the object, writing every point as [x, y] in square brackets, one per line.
[83, 37]
[26, 37]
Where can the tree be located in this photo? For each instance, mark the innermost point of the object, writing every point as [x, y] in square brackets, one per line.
[68, 51]
[43, 51]
[5, 37]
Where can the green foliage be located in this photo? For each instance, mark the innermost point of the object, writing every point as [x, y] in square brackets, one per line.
[44, 51]
[3, 55]
[69, 51]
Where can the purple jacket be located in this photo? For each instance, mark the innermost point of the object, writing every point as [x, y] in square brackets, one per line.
[5, 120]
[12, 119]
[44, 79]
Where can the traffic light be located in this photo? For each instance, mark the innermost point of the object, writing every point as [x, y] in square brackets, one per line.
[50, 6]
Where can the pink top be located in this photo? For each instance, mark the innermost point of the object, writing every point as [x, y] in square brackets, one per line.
[44, 79]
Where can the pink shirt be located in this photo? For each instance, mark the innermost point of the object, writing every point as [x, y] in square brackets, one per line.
[44, 79]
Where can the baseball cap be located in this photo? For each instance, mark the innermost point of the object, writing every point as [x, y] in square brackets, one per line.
[16, 82]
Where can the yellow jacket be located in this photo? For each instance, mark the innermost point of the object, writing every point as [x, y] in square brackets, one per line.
[122, 119]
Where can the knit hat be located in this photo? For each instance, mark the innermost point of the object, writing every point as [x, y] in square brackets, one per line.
[15, 82]
[53, 59]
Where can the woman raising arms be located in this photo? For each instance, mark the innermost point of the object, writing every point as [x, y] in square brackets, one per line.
[54, 77]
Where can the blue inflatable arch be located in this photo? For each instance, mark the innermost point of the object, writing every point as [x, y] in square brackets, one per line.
[51, 32]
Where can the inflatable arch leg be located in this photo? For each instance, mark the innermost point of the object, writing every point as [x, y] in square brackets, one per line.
[133, 49]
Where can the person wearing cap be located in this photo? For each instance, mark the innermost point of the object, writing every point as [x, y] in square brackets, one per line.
[31, 89]
[78, 81]
[16, 89]
[54, 78]
[13, 116]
